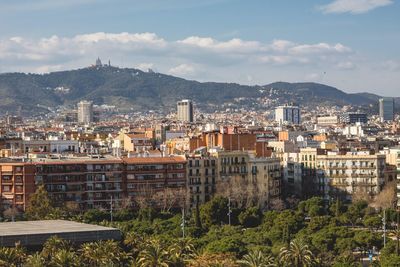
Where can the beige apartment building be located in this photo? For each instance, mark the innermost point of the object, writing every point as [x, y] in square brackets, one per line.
[352, 173]
[240, 175]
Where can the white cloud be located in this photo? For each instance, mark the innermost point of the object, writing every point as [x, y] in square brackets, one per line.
[345, 65]
[235, 44]
[122, 38]
[354, 6]
[182, 70]
[319, 49]
[144, 66]
[202, 58]
[391, 65]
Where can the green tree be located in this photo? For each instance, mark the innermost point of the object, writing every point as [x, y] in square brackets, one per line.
[391, 260]
[372, 222]
[53, 245]
[257, 259]
[181, 251]
[355, 212]
[135, 242]
[346, 260]
[64, 258]
[102, 253]
[251, 217]
[35, 260]
[95, 215]
[11, 256]
[312, 207]
[215, 211]
[297, 254]
[366, 240]
[154, 255]
[39, 205]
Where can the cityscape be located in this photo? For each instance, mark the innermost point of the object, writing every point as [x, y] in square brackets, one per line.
[127, 163]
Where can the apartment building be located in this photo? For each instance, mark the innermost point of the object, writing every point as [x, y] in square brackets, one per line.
[202, 175]
[351, 173]
[137, 143]
[226, 141]
[17, 182]
[147, 177]
[398, 181]
[313, 179]
[89, 182]
[258, 178]
[292, 175]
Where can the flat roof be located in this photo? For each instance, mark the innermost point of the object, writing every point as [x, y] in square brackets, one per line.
[34, 233]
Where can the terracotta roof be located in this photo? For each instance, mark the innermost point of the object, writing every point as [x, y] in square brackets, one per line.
[150, 160]
[136, 135]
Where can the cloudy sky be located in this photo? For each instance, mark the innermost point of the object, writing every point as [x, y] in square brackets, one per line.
[351, 44]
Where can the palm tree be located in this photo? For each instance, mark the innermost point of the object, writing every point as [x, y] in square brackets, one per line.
[181, 251]
[297, 254]
[214, 260]
[52, 245]
[11, 256]
[103, 253]
[65, 257]
[136, 242]
[257, 259]
[154, 255]
[35, 260]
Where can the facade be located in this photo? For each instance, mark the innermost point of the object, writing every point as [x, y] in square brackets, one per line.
[202, 175]
[148, 178]
[85, 112]
[327, 120]
[313, 180]
[287, 114]
[17, 182]
[292, 175]
[225, 141]
[398, 180]
[137, 143]
[386, 109]
[352, 173]
[257, 180]
[89, 182]
[185, 110]
[353, 117]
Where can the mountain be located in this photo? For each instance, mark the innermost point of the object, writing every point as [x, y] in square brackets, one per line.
[137, 90]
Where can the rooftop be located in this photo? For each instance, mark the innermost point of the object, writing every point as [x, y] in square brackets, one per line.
[47, 227]
[33, 233]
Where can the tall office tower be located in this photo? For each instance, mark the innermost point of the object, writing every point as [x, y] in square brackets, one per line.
[85, 112]
[185, 110]
[287, 114]
[386, 109]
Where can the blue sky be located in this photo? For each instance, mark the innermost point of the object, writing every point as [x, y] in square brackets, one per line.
[350, 44]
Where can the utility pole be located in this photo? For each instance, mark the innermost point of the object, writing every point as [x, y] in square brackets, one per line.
[397, 232]
[111, 209]
[229, 210]
[384, 228]
[183, 223]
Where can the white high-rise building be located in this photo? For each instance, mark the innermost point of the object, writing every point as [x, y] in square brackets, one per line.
[287, 114]
[85, 112]
[185, 110]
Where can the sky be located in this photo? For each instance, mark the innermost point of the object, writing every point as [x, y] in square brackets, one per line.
[350, 44]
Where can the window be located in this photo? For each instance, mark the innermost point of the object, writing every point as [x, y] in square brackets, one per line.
[6, 177]
[6, 188]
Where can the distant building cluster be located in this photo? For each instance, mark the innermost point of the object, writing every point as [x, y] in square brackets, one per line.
[190, 156]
